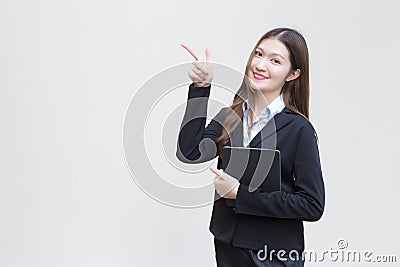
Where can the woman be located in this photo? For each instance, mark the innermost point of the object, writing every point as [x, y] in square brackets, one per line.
[263, 228]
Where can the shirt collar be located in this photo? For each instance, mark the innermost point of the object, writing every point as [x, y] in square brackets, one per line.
[276, 106]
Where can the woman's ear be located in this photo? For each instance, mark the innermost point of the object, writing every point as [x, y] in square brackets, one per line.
[293, 75]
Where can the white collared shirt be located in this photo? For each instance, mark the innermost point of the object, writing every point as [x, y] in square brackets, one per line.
[269, 112]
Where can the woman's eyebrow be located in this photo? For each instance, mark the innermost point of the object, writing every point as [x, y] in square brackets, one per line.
[272, 54]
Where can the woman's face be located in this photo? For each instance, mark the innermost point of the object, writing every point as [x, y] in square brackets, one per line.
[270, 67]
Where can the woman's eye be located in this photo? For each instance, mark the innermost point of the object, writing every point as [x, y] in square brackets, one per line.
[258, 54]
[276, 61]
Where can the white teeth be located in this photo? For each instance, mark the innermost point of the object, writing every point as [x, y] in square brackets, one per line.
[260, 76]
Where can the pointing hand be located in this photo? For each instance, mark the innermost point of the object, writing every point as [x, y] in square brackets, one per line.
[201, 73]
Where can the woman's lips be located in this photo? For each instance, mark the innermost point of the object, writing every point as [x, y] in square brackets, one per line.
[259, 77]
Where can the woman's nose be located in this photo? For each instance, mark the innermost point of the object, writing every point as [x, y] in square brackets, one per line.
[261, 65]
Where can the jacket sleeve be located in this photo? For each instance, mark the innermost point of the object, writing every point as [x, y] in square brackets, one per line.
[308, 200]
[195, 140]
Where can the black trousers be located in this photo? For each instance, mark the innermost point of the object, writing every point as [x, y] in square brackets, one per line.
[230, 256]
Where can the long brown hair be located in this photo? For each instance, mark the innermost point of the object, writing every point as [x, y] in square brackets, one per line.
[296, 93]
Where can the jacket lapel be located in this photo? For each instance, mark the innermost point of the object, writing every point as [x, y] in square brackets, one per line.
[266, 138]
[267, 134]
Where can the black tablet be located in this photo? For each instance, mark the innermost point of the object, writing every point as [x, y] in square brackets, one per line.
[258, 168]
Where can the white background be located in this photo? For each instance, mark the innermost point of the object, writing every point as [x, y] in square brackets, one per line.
[68, 70]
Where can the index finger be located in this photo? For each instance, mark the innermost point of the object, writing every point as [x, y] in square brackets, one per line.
[216, 172]
[191, 51]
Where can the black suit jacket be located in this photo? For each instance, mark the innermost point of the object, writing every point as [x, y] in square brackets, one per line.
[260, 218]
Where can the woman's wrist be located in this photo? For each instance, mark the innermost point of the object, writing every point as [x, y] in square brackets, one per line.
[201, 84]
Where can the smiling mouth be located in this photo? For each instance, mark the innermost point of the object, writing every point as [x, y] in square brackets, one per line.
[259, 77]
